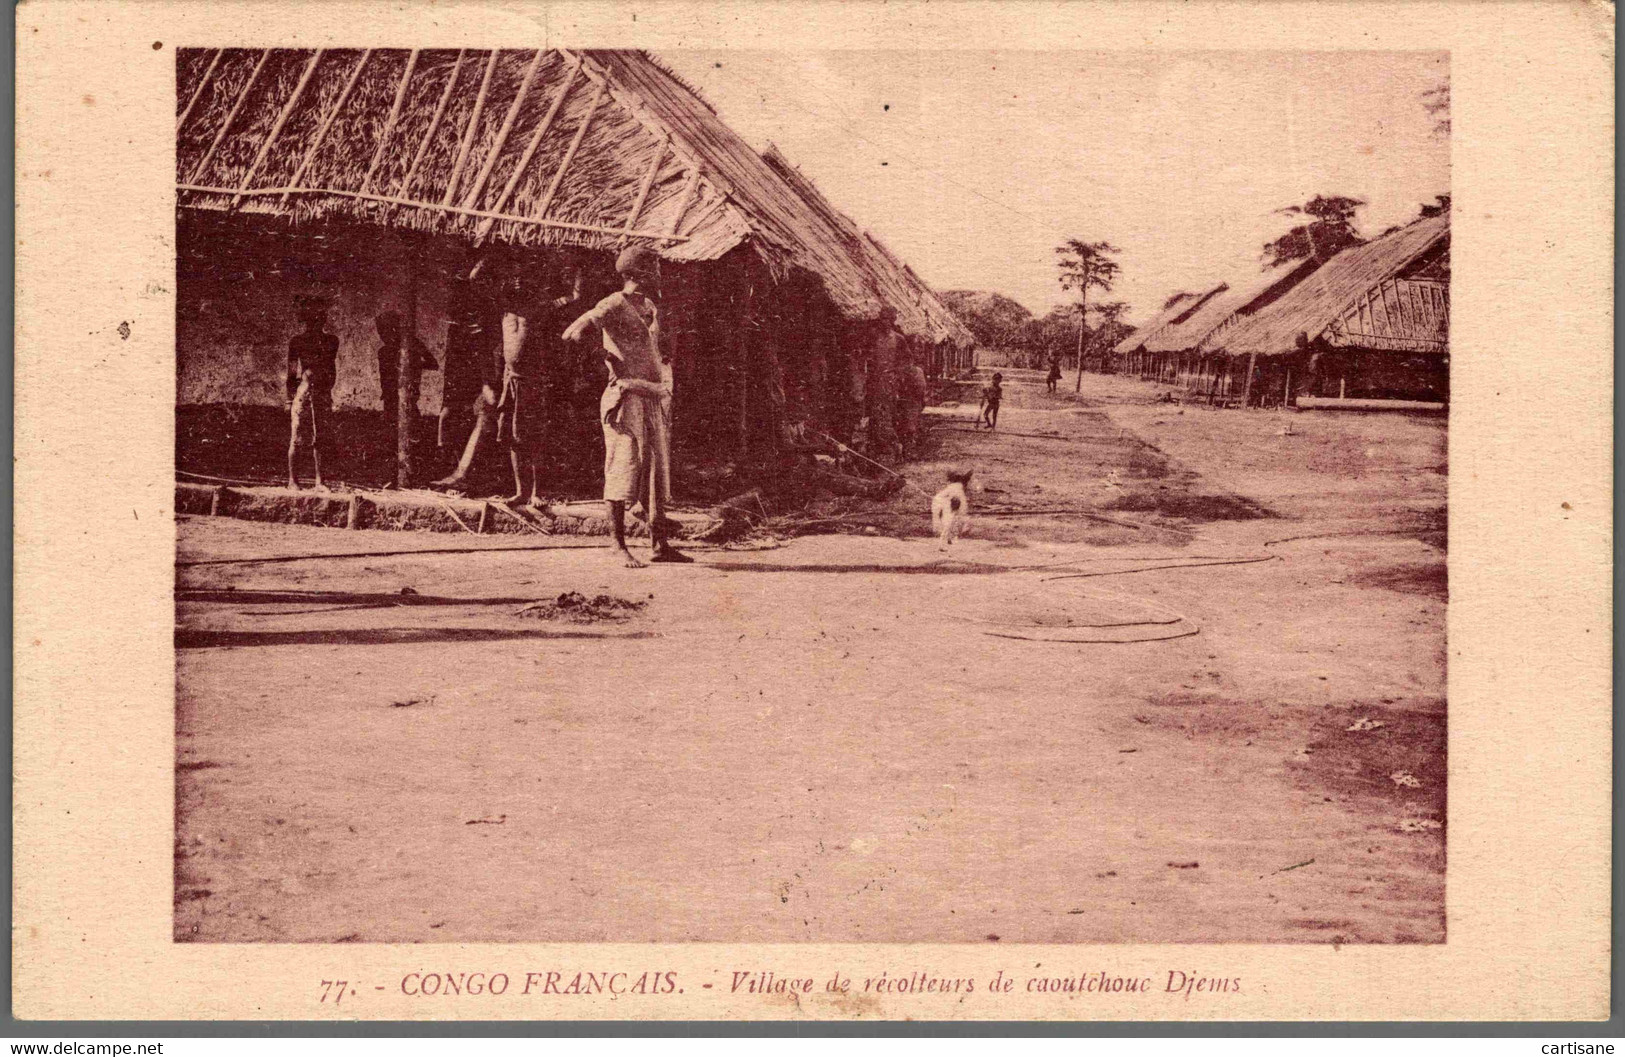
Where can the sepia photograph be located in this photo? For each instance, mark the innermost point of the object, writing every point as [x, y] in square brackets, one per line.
[812, 496]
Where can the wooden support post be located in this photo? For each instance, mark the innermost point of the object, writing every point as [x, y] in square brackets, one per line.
[1247, 390]
[352, 518]
[742, 354]
[486, 512]
[217, 501]
[406, 393]
[1286, 395]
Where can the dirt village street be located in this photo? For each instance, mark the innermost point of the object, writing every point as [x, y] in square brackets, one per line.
[852, 736]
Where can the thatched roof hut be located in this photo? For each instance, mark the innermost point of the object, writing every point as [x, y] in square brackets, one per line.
[1224, 303]
[529, 146]
[1176, 306]
[920, 312]
[1366, 297]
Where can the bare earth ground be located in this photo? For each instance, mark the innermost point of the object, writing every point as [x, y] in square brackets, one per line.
[836, 740]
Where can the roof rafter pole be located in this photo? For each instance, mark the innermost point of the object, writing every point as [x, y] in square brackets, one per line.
[473, 126]
[394, 116]
[1419, 304]
[535, 141]
[685, 198]
[472, 199]
[1387, 312]
[644, 185]
[434, 124]
[569, 155]
[410, 203]
[197, 93]
[281, 120]
[327, 123]
[225, 126]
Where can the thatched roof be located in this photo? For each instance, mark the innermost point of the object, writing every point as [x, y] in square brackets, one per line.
[1187, 331]
[919, 310]
[1356, 298]
[534, 147]
[1176, 306]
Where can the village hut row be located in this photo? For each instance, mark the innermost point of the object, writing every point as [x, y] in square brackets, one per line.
[1367, 327]
[373, 178]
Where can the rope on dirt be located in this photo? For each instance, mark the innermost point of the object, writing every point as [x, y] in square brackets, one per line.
[1095, 642]
[226, 480]
[1357, 532]
[866, 459]
[388, 554]
[1158, 568]
[1125, 558]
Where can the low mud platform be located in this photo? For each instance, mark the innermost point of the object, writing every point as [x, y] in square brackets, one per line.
[413, 510]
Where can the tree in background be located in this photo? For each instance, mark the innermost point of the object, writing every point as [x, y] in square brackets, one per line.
[1327, 231]
[1440, 206]
[996, 320]
[1436, 101]
[1109, 329]
[1084, 265]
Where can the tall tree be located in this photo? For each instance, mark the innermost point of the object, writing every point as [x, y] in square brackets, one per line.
[1328, 229]
[1084, 265]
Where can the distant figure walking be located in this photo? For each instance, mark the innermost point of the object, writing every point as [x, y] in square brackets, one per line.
[1054, 374]
[992, 397]
[312, 370]
[635, 408]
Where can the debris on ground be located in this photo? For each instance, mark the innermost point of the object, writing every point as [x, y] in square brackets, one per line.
[577, 608]
[1418, 825]
[409, 702]
[1365, 723]
[498, 821]
[1185, 865]
[1406, 778]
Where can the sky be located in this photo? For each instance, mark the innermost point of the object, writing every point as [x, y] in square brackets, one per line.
[974, 165]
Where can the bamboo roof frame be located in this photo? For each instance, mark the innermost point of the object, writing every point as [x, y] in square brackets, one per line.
[676, 175]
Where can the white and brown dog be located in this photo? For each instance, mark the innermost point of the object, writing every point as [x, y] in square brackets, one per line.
[951, 507]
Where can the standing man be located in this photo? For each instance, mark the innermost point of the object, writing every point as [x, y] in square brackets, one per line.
[529, 326]
[635, 408]
[911, 397]
[312, 370]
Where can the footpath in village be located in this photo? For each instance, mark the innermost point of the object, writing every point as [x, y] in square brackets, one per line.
[1183, 680]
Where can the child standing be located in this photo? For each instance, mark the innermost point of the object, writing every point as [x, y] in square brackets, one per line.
[992, 396]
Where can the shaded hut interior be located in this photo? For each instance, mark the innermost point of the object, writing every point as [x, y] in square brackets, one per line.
[372, 178]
